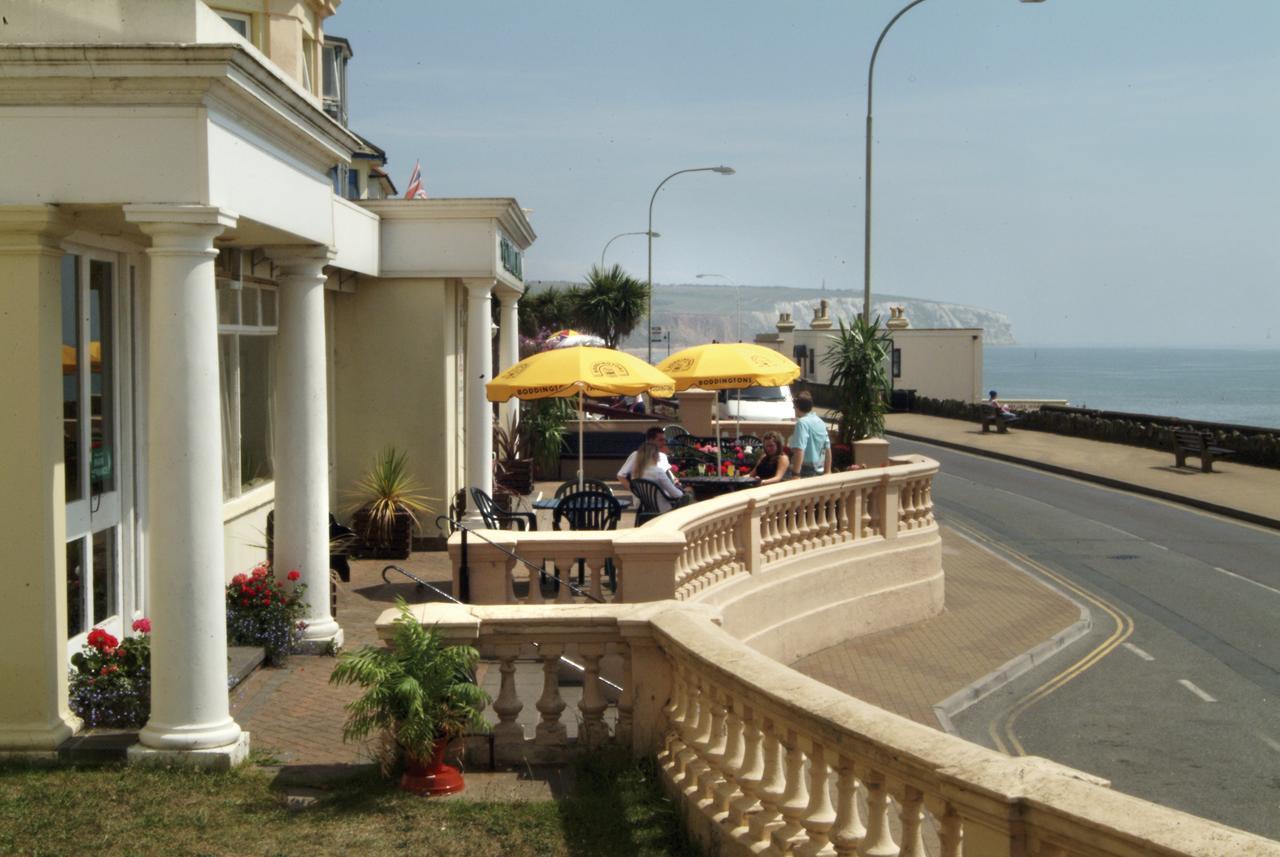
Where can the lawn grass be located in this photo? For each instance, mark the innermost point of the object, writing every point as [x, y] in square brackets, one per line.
[617, 809]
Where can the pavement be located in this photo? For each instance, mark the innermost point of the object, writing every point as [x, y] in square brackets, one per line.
[998, 619]
[1236, 490]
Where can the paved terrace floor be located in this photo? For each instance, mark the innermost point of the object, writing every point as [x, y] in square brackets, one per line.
[1231, 488]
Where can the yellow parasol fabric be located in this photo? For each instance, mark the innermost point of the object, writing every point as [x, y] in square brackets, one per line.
[579, 370]
[729, 366]
[583, 369]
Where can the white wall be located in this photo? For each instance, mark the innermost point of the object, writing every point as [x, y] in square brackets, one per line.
[941, 364]
[356, 236]
[464, 248]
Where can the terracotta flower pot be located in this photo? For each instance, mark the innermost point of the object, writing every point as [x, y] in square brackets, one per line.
[430, 777]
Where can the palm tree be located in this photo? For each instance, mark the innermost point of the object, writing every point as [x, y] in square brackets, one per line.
[546, 311]
[611, 305]
[857, 360]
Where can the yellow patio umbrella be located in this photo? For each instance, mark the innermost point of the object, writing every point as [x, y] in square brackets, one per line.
[728, 366]
[579, 370]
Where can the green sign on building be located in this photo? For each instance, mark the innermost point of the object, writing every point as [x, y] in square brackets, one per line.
[510, 257]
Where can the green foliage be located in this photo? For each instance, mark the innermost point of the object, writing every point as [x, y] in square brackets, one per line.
[611, 305]
[858, 372]
[387, 489]
[415, 691]
[544, 421]
[546, 311]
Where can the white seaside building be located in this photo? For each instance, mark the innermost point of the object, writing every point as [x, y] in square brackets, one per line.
[210, 312]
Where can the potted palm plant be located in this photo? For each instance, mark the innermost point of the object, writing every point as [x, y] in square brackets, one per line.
[419, 694]
[388, 501]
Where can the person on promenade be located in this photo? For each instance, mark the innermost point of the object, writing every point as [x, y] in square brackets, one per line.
[810, 444]
[650, 463]
[773, 465]
[654, 436]
[1000, 408]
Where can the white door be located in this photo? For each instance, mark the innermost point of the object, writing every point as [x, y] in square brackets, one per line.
[97, 450]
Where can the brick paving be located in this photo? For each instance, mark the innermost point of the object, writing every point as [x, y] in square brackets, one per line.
[994, 612]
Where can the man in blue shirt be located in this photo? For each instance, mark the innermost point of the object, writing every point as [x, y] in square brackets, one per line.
[810, 445]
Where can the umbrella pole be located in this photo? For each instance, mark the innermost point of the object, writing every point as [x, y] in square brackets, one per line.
[717, 445]
[580, 416]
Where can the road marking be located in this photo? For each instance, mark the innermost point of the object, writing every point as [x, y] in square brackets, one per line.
[1197, 691]
[1272, 743]
[1154, 545]
[1246, 579]
[1002, 734]
[1146, 657]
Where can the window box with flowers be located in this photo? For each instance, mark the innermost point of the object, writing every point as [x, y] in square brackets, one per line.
[263, 611]
[110, 681]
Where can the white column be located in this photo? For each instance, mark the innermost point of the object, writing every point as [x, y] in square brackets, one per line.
[189, 703]
[301, 535]
[479, 425]
[508, 346]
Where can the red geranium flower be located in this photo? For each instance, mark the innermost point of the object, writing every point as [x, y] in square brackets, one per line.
[294, 575]
[142, 626]
[240, 579]
[101, 640]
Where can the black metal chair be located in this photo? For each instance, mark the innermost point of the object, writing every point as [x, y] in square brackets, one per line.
[648, 492]
[571, 486]
[496, 519]
[590, 510]
[672, 433]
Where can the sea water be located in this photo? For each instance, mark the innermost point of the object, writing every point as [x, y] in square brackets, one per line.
[1219, 385]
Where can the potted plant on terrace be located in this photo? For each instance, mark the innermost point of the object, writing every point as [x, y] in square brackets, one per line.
[419, 693]
[388, 501]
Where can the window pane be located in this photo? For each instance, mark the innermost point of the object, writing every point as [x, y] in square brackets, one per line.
[102, 476]
[71, 375]
[228, 304]
[75, 587]
[257, 383]
[229, 387]
[249, 306]
[240, 25]
[268, 307]
[104, 575]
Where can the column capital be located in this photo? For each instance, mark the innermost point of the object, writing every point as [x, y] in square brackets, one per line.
[26, 229]
[508, 298]
[180, 228]
[480, 287]
[300, 258]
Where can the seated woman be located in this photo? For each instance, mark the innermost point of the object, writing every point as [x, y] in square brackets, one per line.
[774, 464]
[649, 465]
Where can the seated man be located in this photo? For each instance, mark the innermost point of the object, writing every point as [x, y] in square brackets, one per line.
[1000, 409]
[655, 436]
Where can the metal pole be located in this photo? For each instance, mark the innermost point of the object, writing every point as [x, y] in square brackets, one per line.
[615, 238]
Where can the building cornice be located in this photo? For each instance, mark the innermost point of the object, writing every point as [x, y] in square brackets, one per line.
[505, 210]
[226, 76]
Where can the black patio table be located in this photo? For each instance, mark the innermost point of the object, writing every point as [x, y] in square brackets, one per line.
[706, 487]
[552, 503]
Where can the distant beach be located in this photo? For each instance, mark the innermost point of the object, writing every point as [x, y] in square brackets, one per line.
[1221, 385]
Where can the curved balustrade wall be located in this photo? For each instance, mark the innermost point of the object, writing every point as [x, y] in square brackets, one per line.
[792, 568]
[766, 761]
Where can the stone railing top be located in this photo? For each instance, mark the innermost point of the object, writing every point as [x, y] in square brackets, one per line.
[1051, 799]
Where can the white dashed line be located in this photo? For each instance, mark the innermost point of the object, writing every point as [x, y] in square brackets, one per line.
[1197, 691]
[1162, 547]
[1139, 652]
[1270, 742]
[1246, 579]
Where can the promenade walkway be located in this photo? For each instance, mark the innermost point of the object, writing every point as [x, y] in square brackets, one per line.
[1237, 490]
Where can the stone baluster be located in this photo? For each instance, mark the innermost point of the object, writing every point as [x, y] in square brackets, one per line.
[819, 815]
[677, 710]
[772, 787]
[750, 774]
[595, 569]
[731, 767]
[911, 815]
[710, 744]
[906, 508]
[508, 705]
[550, 731]
[795, 799]
[928, 500]
[853, 509]
[847, 833]
[627, 699]
[951, 832]
[870, 507]
[689, 763]
[594, 732]
[827, 518]
[879, 840]
[565, 567]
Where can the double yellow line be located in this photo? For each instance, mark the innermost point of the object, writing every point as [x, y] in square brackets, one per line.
[1001, 728]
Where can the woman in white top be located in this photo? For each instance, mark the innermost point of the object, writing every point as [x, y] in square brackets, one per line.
[651, 464]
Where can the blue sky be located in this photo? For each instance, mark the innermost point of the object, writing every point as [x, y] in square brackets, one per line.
[1103, 171]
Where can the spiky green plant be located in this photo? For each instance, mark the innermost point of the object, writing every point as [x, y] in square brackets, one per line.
[611, 304]
[545, 421]
[857, 359]
[415, 691]
[388, 489]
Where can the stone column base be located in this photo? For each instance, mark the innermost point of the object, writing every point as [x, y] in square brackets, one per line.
[320, 645]
[222, 758]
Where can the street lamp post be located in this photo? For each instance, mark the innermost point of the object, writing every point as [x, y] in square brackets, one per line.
[623, 235]
[866, 231]
[737, 288]
[722, 170]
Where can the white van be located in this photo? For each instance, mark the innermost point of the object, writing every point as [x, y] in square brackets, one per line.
[767, 404]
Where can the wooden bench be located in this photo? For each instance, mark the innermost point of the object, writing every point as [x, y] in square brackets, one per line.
[1198, 443]
[993, 416]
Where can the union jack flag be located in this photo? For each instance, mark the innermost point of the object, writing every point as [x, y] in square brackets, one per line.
[415, 189]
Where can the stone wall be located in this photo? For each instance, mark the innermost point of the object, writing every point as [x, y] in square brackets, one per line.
[1256, 446]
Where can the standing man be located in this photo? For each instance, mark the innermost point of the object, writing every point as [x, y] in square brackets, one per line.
[810, 445]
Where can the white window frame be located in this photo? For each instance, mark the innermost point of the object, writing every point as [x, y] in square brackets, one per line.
[243, 17]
